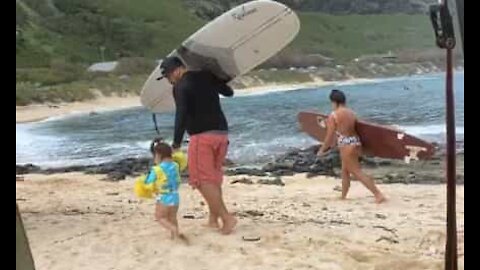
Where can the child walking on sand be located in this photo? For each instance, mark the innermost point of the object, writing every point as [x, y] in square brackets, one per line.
[163, 182]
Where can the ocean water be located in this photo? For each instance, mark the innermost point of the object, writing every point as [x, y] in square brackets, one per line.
[261, 125]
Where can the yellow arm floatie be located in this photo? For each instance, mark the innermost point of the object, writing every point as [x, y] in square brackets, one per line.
[181, 159]
[148, 191]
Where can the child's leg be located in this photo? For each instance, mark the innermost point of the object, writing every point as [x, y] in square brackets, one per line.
[172, 215]
[162, 215]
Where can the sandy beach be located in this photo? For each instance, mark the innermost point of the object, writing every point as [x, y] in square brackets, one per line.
[76, 221]
[39, 112]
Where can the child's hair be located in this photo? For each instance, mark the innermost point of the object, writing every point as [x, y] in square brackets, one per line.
[338, 97]
[164, 150]
[154, 143]
[160, 148]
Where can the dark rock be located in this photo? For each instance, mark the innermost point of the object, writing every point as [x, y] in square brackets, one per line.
[380, 216]
[269, 167]
[384, 162]
[26, 169]
[242, 181]
[279, 166]
[228, 163]
[460, 179]
[115, 176]
[370, 162]
[115, 170]
[283, 173]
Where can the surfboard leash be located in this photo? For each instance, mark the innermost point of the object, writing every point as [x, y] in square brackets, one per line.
[154, 117]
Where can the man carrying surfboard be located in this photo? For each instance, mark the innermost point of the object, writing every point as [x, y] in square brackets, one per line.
[198, 111]
[341, 124]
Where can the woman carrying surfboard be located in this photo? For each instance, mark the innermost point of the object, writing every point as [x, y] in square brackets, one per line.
[198, 111]
[341, 124]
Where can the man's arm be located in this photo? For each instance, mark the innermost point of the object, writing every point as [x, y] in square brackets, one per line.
[222, 87]
[180, 95]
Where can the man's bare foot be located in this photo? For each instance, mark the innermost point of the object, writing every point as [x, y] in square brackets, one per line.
[213, 223]
[229, 224]
[380, 199]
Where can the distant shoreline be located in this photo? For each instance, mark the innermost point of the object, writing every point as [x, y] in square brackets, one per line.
[41, 112]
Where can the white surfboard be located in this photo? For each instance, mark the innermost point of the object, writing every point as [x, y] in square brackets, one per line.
[229, 46]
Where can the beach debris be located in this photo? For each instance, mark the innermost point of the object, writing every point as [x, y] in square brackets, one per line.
[115, 176]
[277, 181]
[113, 193]
[388, 239]
[251, 238]
[246, 171]
[392, 231]
[337, 188]
[380, 216]
[251, 213]
[242, 181]
[74, 212]
[339, 222]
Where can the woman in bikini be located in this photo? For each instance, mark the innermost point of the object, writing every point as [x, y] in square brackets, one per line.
[341, 124]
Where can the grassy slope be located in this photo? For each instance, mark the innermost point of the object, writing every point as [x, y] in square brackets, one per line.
[349, 36]
[59, 38]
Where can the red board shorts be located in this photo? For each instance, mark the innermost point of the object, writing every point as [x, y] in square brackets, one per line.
[206, 155]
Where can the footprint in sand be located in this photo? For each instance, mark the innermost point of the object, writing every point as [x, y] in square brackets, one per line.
[361, 256]
[432, 243]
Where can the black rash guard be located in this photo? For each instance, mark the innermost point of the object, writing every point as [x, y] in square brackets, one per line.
[198, 104]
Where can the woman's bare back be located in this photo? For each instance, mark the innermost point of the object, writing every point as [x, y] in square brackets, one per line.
[345, 120]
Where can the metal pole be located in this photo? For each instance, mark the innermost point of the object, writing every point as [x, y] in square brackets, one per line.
[451, 245]
[445, 36]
